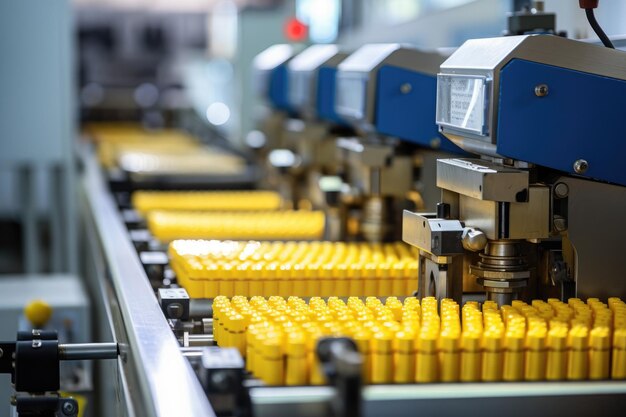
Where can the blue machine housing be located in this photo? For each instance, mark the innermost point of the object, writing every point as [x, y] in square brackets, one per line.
[325, 100]
[409, 115]
[278, 93]
[581, 117]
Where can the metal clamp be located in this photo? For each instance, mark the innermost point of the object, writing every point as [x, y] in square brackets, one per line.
[341, 364]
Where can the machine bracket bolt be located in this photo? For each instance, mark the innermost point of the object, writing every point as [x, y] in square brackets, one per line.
[560, 223]
[406, 88]
[581, 166]
[561, 190]
[68, 408]
[1, 352]
[541, 90]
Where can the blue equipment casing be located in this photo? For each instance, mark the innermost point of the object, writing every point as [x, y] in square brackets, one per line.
[326, 81]
[278, 93]
[409, 115]
[575, 120]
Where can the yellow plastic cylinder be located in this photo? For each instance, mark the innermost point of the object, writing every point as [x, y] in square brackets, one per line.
[342, 284]
[370, 283]
[382, 358]
[237, 331]
[535, 369]
[384, 278]
[513, 367]
[470, 357]
[492, 355]
[270, 281]
[577, 359]
[355, 280]
[226, 283]
[241, 281]
[427, 362]
[404, 363]
[296, 372]
[272, 361]
[362, 339]
[284, 282]
[326, 278]
[618, 366]
[256, 281]
[312, 280]
[556, 362]
[599, 353]
[450, 364]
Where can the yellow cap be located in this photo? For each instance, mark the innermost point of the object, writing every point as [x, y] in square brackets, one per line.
[577, 339]
[38, 312]
[619, 339]
[599, 338]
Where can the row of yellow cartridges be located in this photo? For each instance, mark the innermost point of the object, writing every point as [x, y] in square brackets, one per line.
[251, 200]
[207, 268]
[262, 225]
[409, 342]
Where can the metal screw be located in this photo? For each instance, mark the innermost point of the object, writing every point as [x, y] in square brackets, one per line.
[68, 408]
[1, 352]
[561, 190]
[581, 166]
[541, 90]
[13, 400]
[406, 88]
[175, 310]
[560, 223]
[221, 381]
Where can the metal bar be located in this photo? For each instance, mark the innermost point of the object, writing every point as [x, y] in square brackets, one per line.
[68, 187]
[55, 200]
[516, 399]
[86, 351]
[30, 230]
[167, 384]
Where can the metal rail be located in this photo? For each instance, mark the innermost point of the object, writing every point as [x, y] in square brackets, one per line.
[167, 386]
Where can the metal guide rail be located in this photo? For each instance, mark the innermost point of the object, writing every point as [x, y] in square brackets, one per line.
[152, 372]
[157, 370]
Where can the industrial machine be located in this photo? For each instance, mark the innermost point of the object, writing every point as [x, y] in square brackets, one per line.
[386, 92]
[541, 212]
[315, 176]
[270, 82]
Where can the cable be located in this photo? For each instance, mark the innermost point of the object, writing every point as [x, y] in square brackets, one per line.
[596, 28]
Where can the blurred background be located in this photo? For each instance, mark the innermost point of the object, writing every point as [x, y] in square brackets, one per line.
[185, 64]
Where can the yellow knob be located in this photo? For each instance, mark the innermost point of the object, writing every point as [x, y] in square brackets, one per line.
[38, 312]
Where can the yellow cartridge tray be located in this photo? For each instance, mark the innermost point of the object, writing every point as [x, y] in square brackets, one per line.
[146, 201]
[412, 343]
[263, 225]
[210, 268]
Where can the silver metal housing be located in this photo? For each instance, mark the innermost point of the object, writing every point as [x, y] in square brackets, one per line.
[303, 75]
[357, 75]
[486, 57]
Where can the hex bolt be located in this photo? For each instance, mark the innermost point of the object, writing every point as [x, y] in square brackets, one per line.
[68, 408]
[561, 190]
[560, 223]
[541, 90]
[406, 88]
[581, 166]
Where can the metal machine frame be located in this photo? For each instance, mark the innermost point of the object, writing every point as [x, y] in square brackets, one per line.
[153, 378]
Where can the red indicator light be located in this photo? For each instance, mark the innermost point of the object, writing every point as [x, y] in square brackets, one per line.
[295, 30]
